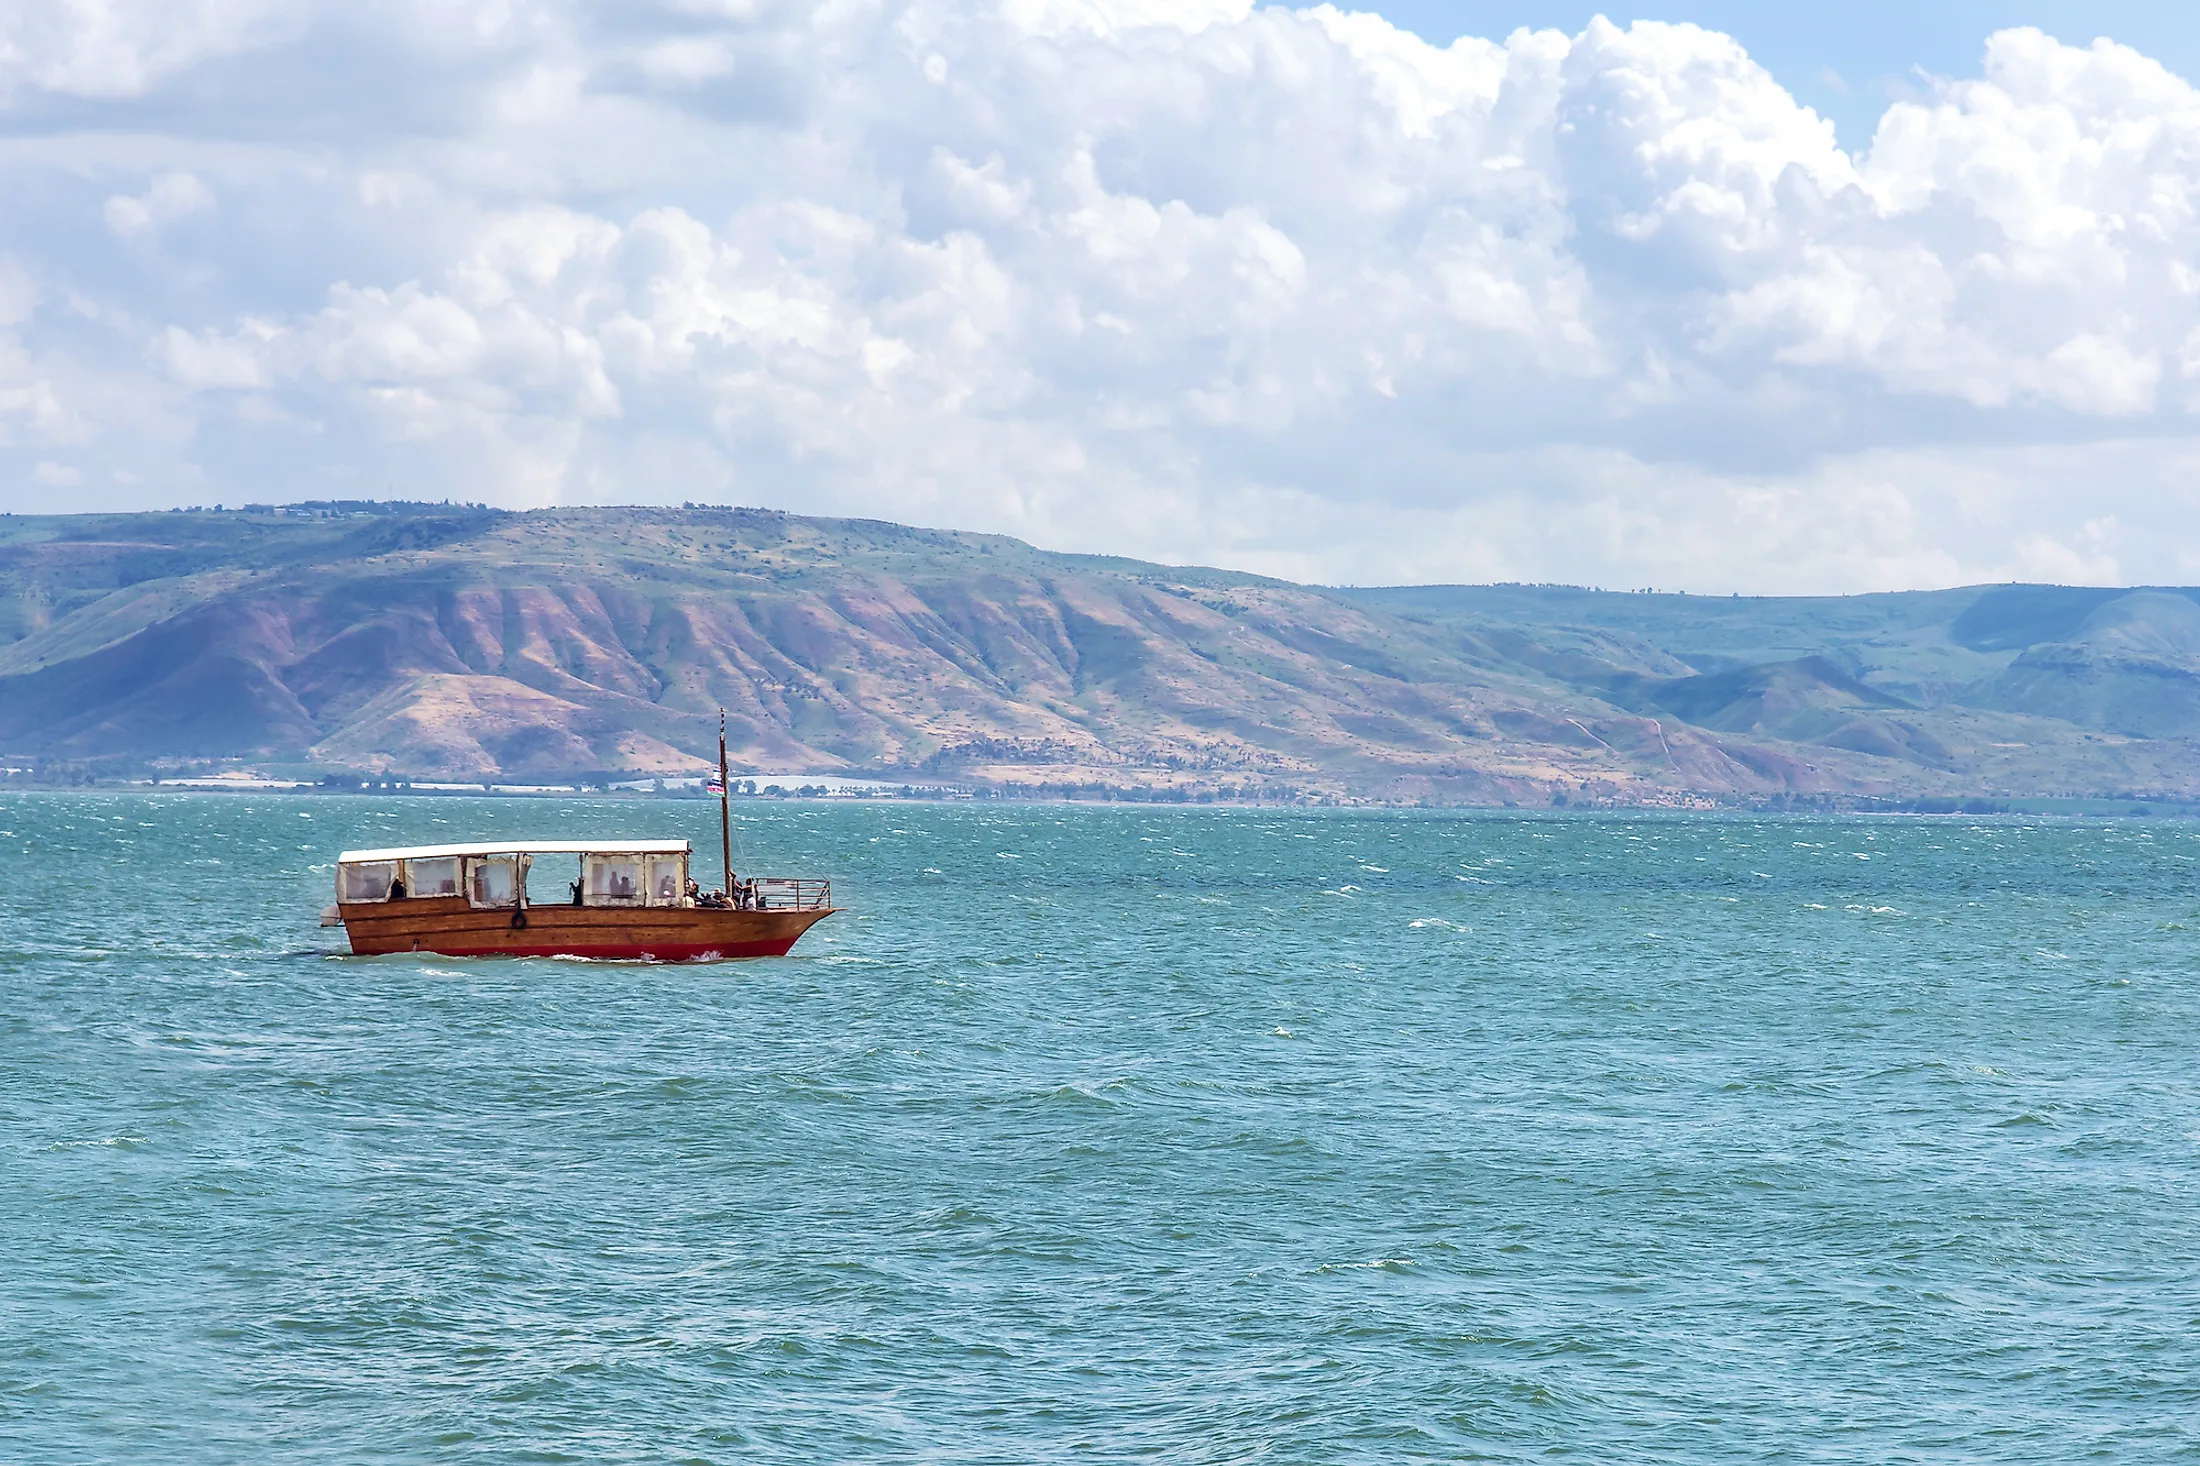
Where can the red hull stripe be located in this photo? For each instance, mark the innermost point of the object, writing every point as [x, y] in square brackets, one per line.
[651, 952]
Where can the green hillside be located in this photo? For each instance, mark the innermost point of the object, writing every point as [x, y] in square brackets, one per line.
[448, 642]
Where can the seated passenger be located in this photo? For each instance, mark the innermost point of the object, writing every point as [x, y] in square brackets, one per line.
[397, 888]
[576, 893]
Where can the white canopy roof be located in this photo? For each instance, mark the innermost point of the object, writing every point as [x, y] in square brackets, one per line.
[520, 847]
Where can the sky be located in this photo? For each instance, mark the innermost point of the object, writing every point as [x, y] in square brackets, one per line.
[1720, 297]
[1847, 61]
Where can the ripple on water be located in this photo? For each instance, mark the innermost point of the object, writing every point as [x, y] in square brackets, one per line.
[1117, 1134]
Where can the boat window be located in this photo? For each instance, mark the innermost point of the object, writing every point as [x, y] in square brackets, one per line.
[614, 880]
[367, 881]
[664, 880]
[494, 881]
[433, 877]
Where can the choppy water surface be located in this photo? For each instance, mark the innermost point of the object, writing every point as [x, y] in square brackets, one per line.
[1105, 1133]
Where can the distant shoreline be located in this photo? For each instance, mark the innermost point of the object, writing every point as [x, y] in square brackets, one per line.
[1978, 807]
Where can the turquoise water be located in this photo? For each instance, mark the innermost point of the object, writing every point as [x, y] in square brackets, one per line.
[1109, 1134]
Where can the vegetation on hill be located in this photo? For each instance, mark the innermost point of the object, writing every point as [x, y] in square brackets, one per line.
[442, 641]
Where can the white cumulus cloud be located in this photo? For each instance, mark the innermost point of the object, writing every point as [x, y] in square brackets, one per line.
[173, 196]
[1285, 289]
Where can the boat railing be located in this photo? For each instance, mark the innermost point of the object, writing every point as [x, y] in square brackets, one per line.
[783, 893]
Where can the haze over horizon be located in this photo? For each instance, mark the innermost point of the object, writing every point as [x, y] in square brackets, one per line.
[1767, 304]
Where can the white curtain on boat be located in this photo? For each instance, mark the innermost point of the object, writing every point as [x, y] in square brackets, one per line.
[493, 881]
[435, 876]
[614, 880]
[366, 881]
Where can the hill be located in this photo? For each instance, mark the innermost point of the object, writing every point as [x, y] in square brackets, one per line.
[453, 642]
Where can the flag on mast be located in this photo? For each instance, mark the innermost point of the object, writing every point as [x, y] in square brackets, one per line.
[714, 785]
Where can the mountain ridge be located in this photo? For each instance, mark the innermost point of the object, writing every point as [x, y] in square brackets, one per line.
[457, 641]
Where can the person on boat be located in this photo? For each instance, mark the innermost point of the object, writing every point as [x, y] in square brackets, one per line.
[748, 895]
[693, 895]
[576, 892]
[397, 888]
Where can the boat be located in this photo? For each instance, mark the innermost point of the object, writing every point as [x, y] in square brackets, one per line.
[628, 899]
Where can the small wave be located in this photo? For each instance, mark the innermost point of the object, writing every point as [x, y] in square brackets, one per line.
[1084, 1092]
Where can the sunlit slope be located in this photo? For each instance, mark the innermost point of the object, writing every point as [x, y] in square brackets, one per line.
[452, 643]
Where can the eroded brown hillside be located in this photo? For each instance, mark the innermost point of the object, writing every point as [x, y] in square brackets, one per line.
[468, 643]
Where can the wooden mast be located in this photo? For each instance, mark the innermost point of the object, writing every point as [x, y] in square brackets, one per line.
[725, 808]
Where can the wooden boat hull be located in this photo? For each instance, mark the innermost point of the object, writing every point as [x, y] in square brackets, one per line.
[448, 927]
